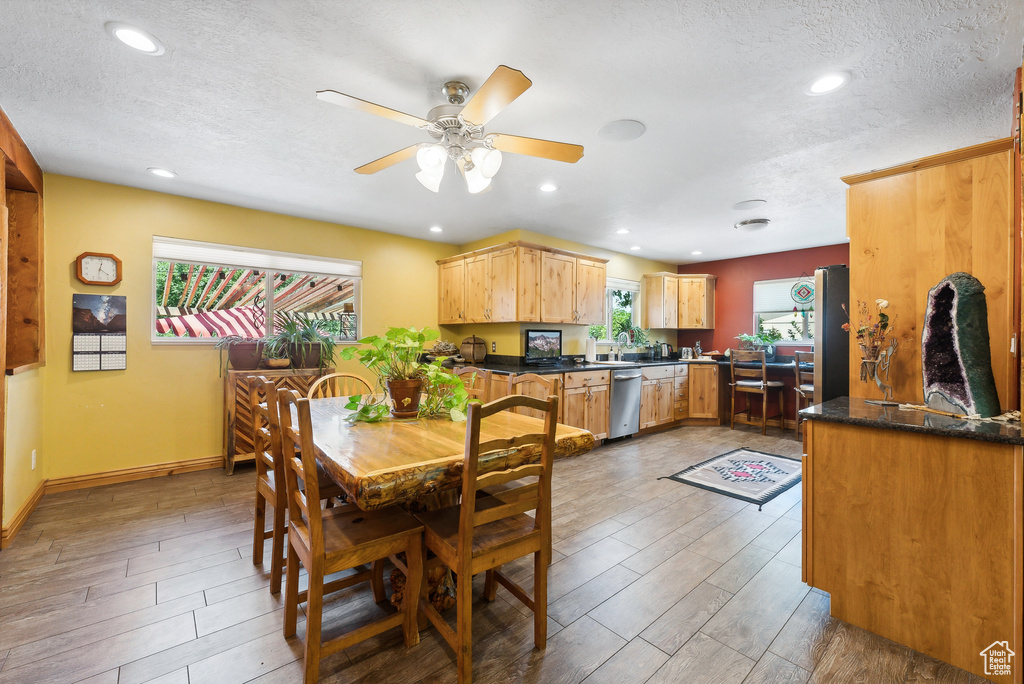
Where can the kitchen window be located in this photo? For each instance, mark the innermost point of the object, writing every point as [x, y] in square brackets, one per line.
[202, 291]
[621, 308]
[785, 305]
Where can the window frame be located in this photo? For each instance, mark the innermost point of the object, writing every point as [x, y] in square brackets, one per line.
[620, 284]
[268, 257]
[808, 326]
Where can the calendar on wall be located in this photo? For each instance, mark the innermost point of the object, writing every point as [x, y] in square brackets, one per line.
[98, 341]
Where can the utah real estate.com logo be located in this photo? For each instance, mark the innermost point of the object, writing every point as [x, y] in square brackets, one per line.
[998, 659]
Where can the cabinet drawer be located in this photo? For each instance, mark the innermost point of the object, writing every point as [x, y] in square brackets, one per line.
[682, 389]
[658, 372]
[682, 370]
[587, 379]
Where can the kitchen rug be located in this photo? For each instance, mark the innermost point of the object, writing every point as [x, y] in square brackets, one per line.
[744, 474]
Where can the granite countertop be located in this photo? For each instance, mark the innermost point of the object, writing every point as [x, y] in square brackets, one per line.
[520, 367]
[850, 411]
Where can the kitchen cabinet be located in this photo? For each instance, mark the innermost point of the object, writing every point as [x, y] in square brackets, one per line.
[703, 394]
[657, 405]
[678, 301]
[681, 396]
[587, 401]
[521, 283]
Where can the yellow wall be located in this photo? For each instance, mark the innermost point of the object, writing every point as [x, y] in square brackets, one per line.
[24, 432]
[509, 337]
[167, 406]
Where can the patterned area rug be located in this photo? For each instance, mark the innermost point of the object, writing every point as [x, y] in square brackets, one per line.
[743, 474]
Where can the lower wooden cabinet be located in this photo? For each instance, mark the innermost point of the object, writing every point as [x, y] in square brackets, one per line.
[681, 396]
[703, 394]
[587, 400]
[657, 401]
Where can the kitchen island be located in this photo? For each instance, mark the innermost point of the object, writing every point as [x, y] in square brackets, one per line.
[913, 523]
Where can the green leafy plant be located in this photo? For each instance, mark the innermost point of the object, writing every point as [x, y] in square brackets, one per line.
[296, 335]
[229, 341]
[639, 337]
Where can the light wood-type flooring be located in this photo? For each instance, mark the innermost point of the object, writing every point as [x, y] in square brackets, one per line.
[652, 581]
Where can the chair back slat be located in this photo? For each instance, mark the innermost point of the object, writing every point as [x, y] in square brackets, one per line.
[532, 385]
[748, 356]
[300, 463]
[261, 438]
[510, 442]
[339, 385]
[534, 496]
[477, 381]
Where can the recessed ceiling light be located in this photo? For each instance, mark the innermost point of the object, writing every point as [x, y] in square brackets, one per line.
[435, 229]
[548, 187]
[753, 224]
[135, 38]
[622, 231]
[635, 248]
[827, 83]
[747, 205]
[622, 130]
[697, 253]
[163, 173]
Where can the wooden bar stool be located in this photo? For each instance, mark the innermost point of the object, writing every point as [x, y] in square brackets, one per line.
[484, 532]
[478, 382]
[328, 541]
[754, 381]
[339, 385]
[804, 383]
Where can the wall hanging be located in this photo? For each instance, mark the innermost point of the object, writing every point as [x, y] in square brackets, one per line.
[98, 340]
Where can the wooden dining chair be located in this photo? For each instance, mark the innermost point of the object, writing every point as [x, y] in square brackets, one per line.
[754, 381]
[804, 383]
[533, 385]
[270, 488]
[335, 539]
[339, 385]
[482, 533]
[477, 381]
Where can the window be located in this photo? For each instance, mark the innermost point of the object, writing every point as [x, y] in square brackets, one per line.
[202, 291]
[622, 299]
[786, 306]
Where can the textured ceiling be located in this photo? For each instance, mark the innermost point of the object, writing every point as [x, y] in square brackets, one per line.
[718, 83]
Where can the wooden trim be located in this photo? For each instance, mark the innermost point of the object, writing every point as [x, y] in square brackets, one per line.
[25, 367]
[64, 484]
[21, 165]
[18, 521]
[1001, 145]
[520, 243]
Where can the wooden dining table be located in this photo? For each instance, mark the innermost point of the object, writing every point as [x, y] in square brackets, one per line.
[396, 462]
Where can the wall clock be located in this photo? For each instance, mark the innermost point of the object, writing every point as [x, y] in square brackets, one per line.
[96, 268]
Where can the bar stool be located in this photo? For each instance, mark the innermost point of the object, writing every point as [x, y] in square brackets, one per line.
[754, 381]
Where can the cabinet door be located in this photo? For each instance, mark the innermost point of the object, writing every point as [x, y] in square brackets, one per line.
[502, 286]
[557, 288]
[574, 412]
[648, 404]
[652, 313]
[696, 303]
[478, 299]
[671, 302]
[590, 291]
[703, 391]
[597, 411]
[528, 286]
[451, 304]
[665, 401]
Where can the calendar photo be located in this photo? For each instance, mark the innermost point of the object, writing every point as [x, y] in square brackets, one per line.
[99, 339]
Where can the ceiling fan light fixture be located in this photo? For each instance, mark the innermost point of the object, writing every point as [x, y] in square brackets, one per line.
[487, 160]
[430, 181]
[431, 159]
[476, 181]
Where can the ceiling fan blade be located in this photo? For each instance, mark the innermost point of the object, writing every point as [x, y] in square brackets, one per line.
[389, 160]
[535, 147]
[498, 91]
[334, 97]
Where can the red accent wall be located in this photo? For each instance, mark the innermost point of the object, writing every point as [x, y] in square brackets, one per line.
[734, 297]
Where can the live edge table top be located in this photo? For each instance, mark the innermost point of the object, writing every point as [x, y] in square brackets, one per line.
[401, 461]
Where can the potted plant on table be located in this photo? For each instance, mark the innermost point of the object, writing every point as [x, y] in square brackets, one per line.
[244, 353]
[762, 339]
[394, 360]
[303, 340]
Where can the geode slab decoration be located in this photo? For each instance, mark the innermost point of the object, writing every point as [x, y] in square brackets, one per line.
[955, 357]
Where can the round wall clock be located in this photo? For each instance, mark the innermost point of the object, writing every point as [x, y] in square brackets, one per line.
[95, 268]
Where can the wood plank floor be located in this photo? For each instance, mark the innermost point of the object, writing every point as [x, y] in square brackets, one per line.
[652, 581]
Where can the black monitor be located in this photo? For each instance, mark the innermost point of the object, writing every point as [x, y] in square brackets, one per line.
[543, 346]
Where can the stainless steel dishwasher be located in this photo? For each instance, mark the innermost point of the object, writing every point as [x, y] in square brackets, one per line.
[624, 415]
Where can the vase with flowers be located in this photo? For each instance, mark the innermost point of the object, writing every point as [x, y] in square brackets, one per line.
[874, 336]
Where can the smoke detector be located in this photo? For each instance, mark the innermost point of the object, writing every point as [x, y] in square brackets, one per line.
[753, 224]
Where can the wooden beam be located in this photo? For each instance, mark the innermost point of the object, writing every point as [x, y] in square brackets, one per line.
[981, 150]
[19, 162]
[25, 325]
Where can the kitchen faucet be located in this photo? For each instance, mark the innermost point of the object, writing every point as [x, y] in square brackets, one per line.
[620, 341]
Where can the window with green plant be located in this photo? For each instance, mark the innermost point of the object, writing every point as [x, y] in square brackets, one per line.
[784, 310]
[203, 291]
[621, 308]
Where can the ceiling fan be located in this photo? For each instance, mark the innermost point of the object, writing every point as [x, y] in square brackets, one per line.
[458, 130]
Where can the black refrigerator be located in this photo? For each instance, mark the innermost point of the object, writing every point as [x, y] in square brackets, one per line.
[831, 342]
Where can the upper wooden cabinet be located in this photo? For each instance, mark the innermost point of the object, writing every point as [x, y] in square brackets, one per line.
[521, 283]
[678, 301]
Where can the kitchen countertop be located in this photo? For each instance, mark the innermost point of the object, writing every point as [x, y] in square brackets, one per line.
[508, 368]
[850, 411]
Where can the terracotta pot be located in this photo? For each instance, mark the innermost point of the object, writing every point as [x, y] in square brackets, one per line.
[305, 356]
[405, 397]
[245, 355]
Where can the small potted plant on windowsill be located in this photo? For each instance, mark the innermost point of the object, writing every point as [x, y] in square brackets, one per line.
[303, 340]
[762, 339]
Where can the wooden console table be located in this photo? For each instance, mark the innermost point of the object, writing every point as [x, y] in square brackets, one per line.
[914, 525]
[238, 415]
